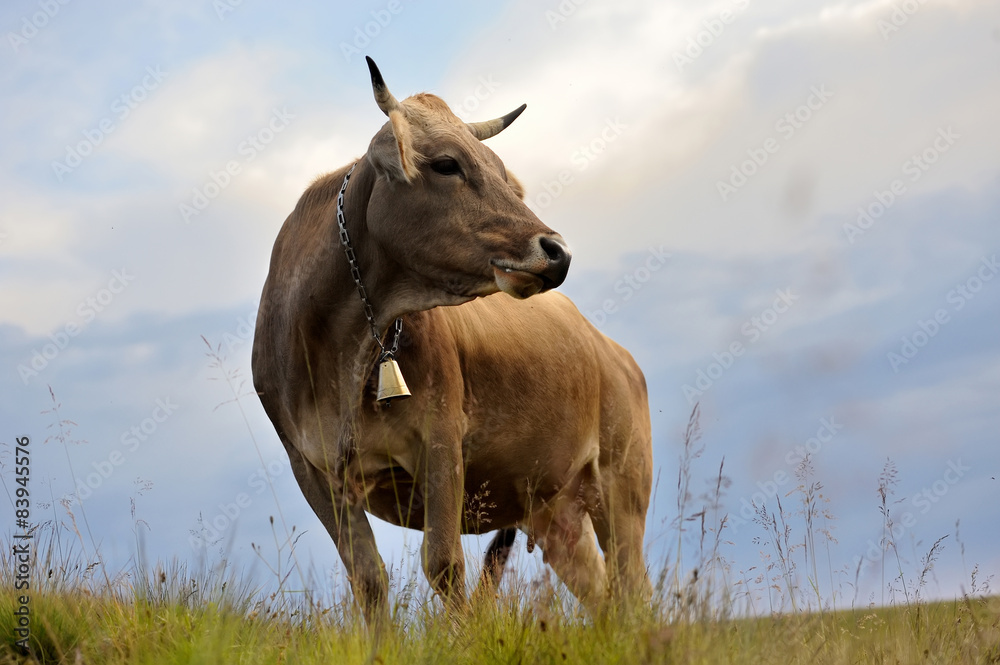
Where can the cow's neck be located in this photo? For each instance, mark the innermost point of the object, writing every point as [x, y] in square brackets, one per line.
[345, 326]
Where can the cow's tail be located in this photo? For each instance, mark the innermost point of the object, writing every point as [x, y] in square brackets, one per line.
[496, 558]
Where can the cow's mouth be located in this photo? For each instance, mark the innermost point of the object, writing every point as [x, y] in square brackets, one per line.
[519, 283]
[545, 268]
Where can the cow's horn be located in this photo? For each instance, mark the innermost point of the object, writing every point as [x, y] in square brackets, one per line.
[487, 128]
[383, 97]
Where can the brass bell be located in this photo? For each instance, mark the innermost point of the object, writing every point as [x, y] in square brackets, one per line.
[390, 382]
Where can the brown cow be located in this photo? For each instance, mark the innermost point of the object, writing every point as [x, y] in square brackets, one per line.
[523, 415]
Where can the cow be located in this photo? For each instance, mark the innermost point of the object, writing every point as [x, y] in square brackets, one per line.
[522, 415]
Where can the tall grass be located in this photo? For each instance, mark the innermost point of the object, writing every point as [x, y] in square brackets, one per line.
[179, 615]
[703, 611]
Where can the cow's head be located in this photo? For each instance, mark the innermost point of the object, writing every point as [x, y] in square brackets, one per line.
[445, 209]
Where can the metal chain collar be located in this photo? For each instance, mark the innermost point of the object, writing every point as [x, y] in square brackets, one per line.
[345, 240]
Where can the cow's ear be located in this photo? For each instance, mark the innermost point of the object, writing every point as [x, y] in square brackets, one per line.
[392, 151]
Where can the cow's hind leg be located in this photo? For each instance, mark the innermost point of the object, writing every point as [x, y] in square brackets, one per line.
[620, 523]
[620, 529]
[565, 532]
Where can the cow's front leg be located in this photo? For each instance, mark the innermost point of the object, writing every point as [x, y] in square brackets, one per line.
[442, 481]
[355, 543]
[351, 532]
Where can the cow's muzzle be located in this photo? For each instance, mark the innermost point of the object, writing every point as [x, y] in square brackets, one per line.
[545, 268]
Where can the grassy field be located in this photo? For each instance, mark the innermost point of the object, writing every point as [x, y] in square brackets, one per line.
[184, 621]
[82, 613]
[703, 610]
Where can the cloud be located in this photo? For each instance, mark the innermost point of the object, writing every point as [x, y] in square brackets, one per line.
[687, 130]
[644, 142]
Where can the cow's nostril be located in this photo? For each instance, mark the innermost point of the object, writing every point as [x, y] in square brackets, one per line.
[557, 263]
[554, 250]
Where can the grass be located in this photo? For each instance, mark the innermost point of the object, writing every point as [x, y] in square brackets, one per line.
[702, 610]
[77, 626]
[81, 613]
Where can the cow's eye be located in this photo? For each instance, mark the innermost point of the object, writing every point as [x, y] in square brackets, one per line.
[446, 166]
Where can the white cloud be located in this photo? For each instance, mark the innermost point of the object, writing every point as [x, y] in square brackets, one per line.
[654, 184]
[686, 130]
[199, 115]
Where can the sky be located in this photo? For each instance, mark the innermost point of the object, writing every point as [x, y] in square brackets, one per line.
[787, 212]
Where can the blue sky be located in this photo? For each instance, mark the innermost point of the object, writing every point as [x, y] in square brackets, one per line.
[815, 183]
